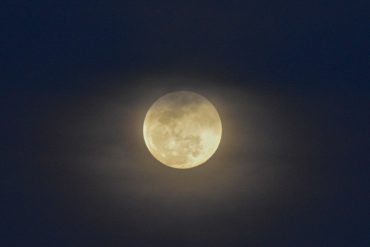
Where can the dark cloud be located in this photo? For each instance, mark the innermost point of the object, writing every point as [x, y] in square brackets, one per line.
[289, 79]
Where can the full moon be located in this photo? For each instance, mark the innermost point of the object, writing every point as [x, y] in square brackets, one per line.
[182, 129]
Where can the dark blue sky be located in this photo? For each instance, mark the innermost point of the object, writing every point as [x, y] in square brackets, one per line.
[310, 55]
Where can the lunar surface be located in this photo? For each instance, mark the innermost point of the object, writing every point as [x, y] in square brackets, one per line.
[182, 129]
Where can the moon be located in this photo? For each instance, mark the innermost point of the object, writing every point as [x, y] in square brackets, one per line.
[182, 129]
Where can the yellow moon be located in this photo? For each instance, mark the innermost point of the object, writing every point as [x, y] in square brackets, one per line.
[182, 129]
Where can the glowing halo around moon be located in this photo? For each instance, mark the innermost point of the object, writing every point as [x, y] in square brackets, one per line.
[182, 129]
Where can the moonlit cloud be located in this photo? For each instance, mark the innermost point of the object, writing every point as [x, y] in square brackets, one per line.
[104, 151]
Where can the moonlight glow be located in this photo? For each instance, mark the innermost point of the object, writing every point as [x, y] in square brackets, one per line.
[182, 129]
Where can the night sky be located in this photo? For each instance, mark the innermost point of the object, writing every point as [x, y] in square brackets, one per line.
[290, 80]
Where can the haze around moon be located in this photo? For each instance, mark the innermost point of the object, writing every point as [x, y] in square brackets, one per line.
[182, 129]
